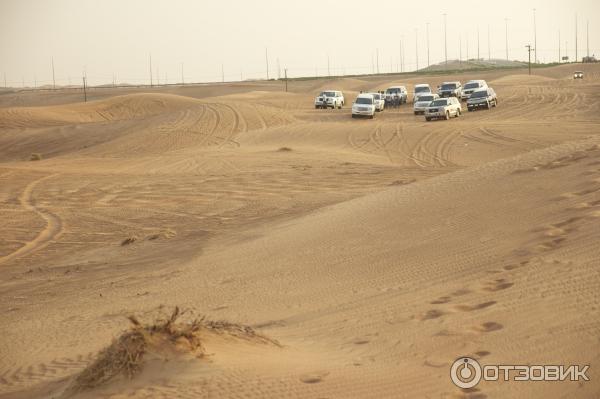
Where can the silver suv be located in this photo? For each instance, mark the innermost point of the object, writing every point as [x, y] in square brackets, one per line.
[483, 98]
[443, 108]
[450, 89]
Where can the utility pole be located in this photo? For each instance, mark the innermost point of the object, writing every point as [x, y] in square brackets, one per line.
[506, 35]
[278, 70]
[489, 47]
[467, 46]
[576, 58]
[417, 47]
[529, 50]
[84, 90]
[535, 57]
[157, 77]
[427, 28]
[587, 34]
[222, 73]
[5, 80]
[113, 79]
[402, 53]
[377, 59]
[328, 70]
[477, 42]
[150, 70]
[559, 57]
[53, 79]
[445, 41]
[286, 82]
[460, 49]
[267, 60]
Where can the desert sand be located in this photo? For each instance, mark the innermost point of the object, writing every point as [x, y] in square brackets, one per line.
[370, 254]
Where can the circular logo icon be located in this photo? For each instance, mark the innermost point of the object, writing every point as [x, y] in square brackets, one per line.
[465, 372]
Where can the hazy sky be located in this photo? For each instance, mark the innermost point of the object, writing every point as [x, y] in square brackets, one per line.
[107, 37]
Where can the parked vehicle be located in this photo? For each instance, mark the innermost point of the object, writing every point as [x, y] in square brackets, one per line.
[423, 102]
[329, 99]
[470, 87]
[450, 89]
[364, 105]
[578, 75]
[482, 98]
[420, 89]
[396, 92]
[443, 108]
[379, 101]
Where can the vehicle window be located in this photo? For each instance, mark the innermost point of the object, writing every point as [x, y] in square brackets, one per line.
[425, 98]
[479, 94]
[423, 89]
[328, 94]
[364, 100]
[449, 86]
[472, 85]
[439, 103]
[392, 91]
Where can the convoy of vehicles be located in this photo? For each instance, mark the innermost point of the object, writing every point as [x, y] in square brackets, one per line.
[329, 99]
[364, 105]
[482, 98]
[421, 104]
[470, 87]
[443, 108]
[441, 105]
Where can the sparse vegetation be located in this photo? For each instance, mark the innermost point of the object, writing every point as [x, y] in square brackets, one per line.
[125, 356]
[129, 240]
[35, 157]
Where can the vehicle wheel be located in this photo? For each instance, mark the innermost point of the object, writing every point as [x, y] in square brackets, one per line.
[428, 119]
[447, 115]
[457, 113]
[371, 116]
[495, 103]
[353, 116]
[488, 106]
[470, 109]
[316, 107]
[416, 113]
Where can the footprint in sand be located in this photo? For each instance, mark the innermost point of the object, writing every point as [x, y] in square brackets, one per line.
[497, 285]
[431, 314]
[313, 378]
[470, 308]
[487, 327]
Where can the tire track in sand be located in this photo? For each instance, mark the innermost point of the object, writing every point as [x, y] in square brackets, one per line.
[52, 230]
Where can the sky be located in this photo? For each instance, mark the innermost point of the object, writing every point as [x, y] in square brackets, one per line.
[233, 39]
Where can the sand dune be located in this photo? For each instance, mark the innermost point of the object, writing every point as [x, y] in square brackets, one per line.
[373, 252]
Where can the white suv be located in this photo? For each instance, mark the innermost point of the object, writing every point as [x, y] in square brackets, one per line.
[330, 99]
[379, 101]
[443, 108]
[364, 105]
[470, 87]
[450, 89]
[422, 102]
[423, 88]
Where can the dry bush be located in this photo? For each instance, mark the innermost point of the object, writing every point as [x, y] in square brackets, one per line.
[125, 355]
[129, 240]
[35, 157]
